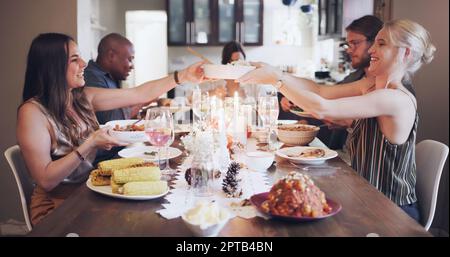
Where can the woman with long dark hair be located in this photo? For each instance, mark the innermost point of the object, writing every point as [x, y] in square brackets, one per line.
[233, 52]
[57, 130]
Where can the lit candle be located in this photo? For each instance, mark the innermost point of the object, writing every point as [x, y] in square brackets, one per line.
[236, 111]
[213, 105]
[236, 101]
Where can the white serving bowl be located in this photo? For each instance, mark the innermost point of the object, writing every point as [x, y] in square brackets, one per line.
[205, 231]
[127, 136]
[206, 218]
[215, 71]
[259, 160]
[297, 137]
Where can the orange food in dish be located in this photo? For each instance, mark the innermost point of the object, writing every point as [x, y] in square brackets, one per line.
[297, 196]
[298, 127]
[133, 127]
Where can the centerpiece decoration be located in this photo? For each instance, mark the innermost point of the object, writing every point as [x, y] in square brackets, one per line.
[231, 183]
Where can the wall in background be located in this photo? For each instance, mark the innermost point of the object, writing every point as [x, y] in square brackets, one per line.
[20, 22]
[179, 57]
[432, 83]
[270, 52]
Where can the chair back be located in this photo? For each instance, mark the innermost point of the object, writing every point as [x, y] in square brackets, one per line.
[430, 160]
[23, 179]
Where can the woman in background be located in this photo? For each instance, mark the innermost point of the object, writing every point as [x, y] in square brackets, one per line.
[233, 52]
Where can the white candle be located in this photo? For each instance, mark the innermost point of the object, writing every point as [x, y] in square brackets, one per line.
[236, 101]
[213, 106]
[236, 111]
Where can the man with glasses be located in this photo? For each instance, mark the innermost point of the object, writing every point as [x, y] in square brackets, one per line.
[360, 36]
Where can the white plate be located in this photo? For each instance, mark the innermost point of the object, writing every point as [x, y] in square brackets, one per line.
[302, 114]
[214, 71]
[176, 109]
[283, 153]
[127, 136]
[139, 151]
[106, 190]
[286, 122]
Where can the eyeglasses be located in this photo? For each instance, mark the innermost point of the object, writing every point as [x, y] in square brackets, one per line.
[354, 43]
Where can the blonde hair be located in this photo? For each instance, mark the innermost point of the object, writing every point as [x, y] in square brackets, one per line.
[409, 34]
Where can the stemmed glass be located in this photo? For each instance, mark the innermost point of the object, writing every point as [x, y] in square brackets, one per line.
[268, 111]
[159, 128]
[201, 107]
[167, 170]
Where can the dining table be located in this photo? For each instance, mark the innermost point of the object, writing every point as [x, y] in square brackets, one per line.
[365, 211]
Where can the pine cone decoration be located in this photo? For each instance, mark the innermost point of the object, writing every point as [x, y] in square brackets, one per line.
[230, 183]
[188, 176]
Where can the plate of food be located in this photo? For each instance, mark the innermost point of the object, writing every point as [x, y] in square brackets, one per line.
[149, 153]
[306, 154]
[295, 198]
[155, 189]
[128, 131]
[228, 71]
[300, 112]
[177, 109]
[128, 178]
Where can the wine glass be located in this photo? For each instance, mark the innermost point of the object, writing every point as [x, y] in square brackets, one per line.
[159, 128]
[167, 170]
[268, 111]
[201, 107]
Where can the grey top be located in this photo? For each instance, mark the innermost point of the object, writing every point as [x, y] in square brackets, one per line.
[62, 146]
[95, 76]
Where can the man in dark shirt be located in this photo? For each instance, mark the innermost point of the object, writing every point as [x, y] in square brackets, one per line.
[113, 65]
[360, 37]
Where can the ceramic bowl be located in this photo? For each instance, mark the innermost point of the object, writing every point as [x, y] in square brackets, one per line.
[205, 231]
[215, 71]
[259, 160]
[127, 136]
[297, 134]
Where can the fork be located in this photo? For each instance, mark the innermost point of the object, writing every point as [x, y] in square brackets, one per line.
[307, 168]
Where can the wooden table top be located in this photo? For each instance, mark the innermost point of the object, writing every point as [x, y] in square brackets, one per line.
[364, 210]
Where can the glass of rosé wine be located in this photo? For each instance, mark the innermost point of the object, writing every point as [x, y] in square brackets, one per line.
[159, 128]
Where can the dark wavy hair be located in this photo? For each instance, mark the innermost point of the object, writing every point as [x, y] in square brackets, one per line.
[229, 49]
[45, 82]
[367, 25]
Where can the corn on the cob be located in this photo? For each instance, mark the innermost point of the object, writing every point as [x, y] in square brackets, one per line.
[123, 176]
[116, 188]
[109, 165]
[145, 188]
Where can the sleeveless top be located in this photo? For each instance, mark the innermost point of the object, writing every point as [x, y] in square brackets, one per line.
[62, 146]
[388, 167]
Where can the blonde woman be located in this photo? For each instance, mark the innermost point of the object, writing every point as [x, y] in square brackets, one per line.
[384, 115]
[57, 130]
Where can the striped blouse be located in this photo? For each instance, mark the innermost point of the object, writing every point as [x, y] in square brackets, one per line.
[388, 167]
